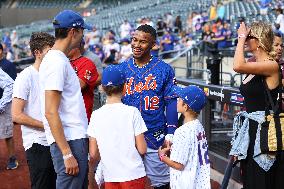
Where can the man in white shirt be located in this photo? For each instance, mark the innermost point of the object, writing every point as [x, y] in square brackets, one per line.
[26, 112]
[64, 115]
[280, 20]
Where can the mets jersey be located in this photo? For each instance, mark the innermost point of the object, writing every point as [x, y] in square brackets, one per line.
[149, 88]
[191, 150]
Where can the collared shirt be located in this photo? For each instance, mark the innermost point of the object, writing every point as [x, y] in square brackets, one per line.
[6, 83]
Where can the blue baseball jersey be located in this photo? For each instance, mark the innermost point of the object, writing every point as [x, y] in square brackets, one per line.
[149, 88]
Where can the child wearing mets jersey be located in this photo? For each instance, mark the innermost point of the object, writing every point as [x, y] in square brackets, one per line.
[116, 136]
[188, 159]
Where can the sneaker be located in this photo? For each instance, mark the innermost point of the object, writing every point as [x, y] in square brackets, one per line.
[12, 163]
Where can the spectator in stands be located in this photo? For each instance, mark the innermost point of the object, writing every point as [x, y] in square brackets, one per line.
[207, 34]
[14, 38]
[169, 20]
[111, 50]
[7, 40]
[213, 12]
[264, 4]
[228, 34]
[167, 43]
[125, 50]
[221, 11]
[189, 22]
[148, 21]
[109, 35]
[205, 17]
[139, 22]
[99, 52]
[6, 65]
[15, 42]
[112, 58]
[93, 38]
[189, 41]
[111, 44]
[178, 25]
[279, 23]
[198, 26]
[196, 17]
[6, 124]
[125, 29]
[26, 112]
[161, 26]
[88, 77]
[64, 114]
[220, 36]
[259, 170]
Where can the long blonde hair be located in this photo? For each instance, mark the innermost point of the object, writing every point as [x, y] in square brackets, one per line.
[264, 33]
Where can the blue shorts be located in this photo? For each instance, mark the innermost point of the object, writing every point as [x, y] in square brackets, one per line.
[157, 171]
[79, 149]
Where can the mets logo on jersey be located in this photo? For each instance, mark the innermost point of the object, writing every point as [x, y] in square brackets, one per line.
[149, 84]
[88, 75]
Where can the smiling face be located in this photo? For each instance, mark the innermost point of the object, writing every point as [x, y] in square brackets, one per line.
[278, 47]
[141, 44]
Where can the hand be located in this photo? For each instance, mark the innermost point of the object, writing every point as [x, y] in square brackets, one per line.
[243, 30]
[71, 166]
[169, 139]
[162, 151]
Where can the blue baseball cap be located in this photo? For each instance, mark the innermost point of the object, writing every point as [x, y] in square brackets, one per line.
[193, 96]
[112, 76]
[69, 19]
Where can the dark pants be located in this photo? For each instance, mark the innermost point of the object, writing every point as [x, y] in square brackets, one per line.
[79, 149]
[40, 164]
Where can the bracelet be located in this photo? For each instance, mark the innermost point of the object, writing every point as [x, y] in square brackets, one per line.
[241, 35]
[162, 156]
[67, 156]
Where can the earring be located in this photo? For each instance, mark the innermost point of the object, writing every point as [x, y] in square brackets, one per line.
[257, 48]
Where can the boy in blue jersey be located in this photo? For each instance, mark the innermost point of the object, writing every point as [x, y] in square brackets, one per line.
[149, 82]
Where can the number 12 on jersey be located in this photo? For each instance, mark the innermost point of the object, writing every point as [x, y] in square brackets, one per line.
[151, 103]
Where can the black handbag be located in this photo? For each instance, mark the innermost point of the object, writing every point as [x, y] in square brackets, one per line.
[272, 130]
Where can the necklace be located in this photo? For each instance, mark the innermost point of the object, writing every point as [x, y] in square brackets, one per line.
[144, 66]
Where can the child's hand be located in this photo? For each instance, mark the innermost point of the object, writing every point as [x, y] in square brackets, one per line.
[163, 151]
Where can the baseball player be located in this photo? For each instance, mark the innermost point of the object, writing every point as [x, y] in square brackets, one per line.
[149, 83]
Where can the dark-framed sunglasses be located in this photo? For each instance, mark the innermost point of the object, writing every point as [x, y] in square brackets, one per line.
[249, 37]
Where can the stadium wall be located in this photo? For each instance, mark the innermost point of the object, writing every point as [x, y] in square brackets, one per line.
[13, 17]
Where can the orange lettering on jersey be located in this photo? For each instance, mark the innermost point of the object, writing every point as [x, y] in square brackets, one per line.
[138, 87]
[153, 85]
[128, 86]
[150, 83]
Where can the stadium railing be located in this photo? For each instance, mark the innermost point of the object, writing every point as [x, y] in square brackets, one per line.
[217, 118]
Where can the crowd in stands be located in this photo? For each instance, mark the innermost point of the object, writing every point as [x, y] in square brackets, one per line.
[174, 34]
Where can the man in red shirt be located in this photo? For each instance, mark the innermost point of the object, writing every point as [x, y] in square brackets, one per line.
[88, 76]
